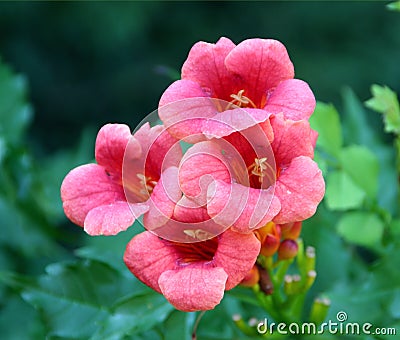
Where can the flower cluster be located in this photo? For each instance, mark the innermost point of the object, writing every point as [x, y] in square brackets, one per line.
[247, 176]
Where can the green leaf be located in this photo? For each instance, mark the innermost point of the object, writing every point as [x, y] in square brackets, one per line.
[179, 325]
[326, 121]
[395, 227]
[361, 228]
[15, 112]
[53, 170]
[357, 127]
[16, 312]
[362, 166]
[320, 232]
[218, 324]
[385, 101]
[395, 305]
[387, 192]
[84, 298]
[135, 314]
[21, 233]
[341, 192]
[394, 6]
[321, 161]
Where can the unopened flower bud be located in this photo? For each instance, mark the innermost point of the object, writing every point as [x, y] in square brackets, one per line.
[311, 275]
[310, 259]
[253, 322]
[270, 245]
[287, 250]
[287, 285]
[251, 278]
[291, 230]
[269, 236]
[247, 328]
[319, 310]
[265, 282]
[296, 284]
[268, 229]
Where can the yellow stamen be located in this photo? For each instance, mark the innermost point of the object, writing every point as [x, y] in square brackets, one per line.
[147, 184]
[258, 167]
[239, 100]
[198, 234]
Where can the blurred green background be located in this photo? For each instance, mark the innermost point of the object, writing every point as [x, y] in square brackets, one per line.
[80, 65]
[89, 63]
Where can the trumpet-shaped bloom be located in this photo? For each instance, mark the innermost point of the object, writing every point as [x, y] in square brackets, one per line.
[192, 276]
[173, 216]
[281, 183]
[93, 195]
[256, 74]
[300, 186]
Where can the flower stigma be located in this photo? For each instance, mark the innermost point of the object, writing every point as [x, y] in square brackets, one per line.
[258, 168]
[239, 100]
[147, 184]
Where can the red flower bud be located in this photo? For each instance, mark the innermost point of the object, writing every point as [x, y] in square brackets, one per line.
[251, 278]
[287, 249]
[291, 230]
[270, 237]
[270, 245]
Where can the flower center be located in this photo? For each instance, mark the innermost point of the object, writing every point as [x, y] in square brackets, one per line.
[146, 183]
[259, 169]
[198, 234]
[196, 252]
[239, 100]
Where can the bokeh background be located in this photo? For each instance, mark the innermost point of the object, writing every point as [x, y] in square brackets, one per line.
[84, 64]
[89, 63]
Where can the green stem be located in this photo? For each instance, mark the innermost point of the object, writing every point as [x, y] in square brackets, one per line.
[282, 268]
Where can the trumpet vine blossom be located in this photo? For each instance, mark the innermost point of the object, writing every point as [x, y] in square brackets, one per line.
[242, 188]
[96, 197]
[255, 75]
[192, 276]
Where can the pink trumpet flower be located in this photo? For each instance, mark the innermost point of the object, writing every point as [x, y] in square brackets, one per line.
[192, 276]
[93, 195]
[255, 182]
[256, 75]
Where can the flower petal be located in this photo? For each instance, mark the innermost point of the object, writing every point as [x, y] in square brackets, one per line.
[300, 188]
[202, 163]
[205, 65]
[163, 200]
[188, 211]
[261, 64]
[192, 223]
[85, 188]
[112, 218]
[291, 139]
[241, 207]
[184, 107]
[160, 149]
[195, 287]
[226, 122]
[293, 98]
[111, 142]
[147, 257]
[247, 145]
[236, 254]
